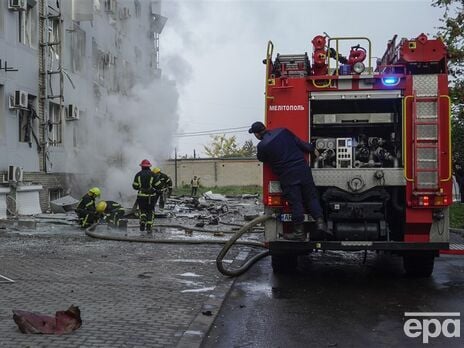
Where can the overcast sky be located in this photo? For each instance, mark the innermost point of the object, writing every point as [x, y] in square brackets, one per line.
[214, 50]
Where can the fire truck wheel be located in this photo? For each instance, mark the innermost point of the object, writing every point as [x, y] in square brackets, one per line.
[419, 264]
[284, 263]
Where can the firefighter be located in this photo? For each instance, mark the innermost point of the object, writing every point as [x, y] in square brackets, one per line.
[285, 152]
[195, 183]
[86, 210]
[111, 212]
[166, 187]
[146, 183]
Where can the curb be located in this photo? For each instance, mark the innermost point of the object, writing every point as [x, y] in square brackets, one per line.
[201, 324]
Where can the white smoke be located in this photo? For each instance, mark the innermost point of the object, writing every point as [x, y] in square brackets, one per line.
[135, 127]
[119, 131]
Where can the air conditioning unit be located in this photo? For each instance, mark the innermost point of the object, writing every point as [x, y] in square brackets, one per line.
[17, 5]
[19, 100]
[15, 174]
[73, 112]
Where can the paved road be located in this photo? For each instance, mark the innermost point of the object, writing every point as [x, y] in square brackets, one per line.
[129, 294]
[336, 301]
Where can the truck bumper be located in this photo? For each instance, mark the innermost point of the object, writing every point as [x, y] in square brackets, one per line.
[286, 247]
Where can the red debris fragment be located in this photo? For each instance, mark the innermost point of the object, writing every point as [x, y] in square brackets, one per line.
[62, 323]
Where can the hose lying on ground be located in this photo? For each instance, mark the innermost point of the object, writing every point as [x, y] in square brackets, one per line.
[228, 244]
[232, 241]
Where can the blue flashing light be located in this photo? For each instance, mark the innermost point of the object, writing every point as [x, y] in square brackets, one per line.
[390, 81]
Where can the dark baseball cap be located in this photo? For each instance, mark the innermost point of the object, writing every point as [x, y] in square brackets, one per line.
[257, 127]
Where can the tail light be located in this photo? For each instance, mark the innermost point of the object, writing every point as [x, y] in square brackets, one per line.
[430, 200]
[274, 200]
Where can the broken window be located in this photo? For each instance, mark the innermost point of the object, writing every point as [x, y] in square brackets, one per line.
[28, 25]
[55, 124]
[77, 48]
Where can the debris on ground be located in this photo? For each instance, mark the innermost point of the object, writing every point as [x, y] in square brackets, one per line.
[214, 196]
[62, 323]
[63, 204]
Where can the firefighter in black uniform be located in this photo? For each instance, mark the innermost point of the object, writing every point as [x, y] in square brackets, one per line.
[146, 183]
[111, 212]
[86, 210]
[166, 187]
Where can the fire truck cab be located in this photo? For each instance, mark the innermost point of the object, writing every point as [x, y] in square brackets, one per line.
[384, 172]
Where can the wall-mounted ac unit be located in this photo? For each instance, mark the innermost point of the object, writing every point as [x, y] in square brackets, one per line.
[15, 174]
[19, 100]
[17, 5]
[73, 112]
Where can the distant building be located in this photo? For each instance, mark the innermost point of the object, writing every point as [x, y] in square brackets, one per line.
[59, 60]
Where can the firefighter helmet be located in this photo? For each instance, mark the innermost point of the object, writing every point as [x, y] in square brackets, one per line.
[156, 170]
[145, 163]
[95, 191]
[101, 206]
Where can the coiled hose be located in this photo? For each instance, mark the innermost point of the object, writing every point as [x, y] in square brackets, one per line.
[228, 244]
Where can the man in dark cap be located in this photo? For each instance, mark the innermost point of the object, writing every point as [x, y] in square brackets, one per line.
[284, 152]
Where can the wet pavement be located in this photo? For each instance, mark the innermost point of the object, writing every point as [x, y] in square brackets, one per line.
[129, 294]
[334, 300]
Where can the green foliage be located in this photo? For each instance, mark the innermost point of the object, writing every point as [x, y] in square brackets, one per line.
[452, 32]
[222, 146]
[457, 215]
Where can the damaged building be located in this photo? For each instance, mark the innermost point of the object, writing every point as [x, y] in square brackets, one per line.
[59, 60]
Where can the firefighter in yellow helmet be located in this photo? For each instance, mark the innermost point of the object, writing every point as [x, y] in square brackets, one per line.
[86, 210]
[165, 188]
[111, 212]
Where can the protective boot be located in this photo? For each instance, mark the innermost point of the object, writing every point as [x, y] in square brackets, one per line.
[149, 228]
[142, 226]
[321, 227]
[298, 233]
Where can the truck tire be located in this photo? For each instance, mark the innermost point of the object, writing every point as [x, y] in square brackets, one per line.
[419, 265]
[282, 264]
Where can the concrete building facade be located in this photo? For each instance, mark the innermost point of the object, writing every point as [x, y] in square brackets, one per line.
[59, 60]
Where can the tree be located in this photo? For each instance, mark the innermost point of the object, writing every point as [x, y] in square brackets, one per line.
[452, 32]
[222, 146]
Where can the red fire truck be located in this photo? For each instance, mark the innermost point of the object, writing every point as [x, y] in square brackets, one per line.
[384, 171]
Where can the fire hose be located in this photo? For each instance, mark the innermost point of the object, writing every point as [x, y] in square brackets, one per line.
[228, 244]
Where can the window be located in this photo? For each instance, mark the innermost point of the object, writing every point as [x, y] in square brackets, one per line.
[1, 18]
[138, 8]
[55, 193]
[28, 26]
[75, 136]
[55, 124]
[77, 48]
[25, 126]
[54, 36]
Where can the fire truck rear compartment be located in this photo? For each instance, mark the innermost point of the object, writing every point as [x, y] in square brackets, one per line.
[360, 143]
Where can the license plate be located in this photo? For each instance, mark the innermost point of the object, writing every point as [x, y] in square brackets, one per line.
[288, 218]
